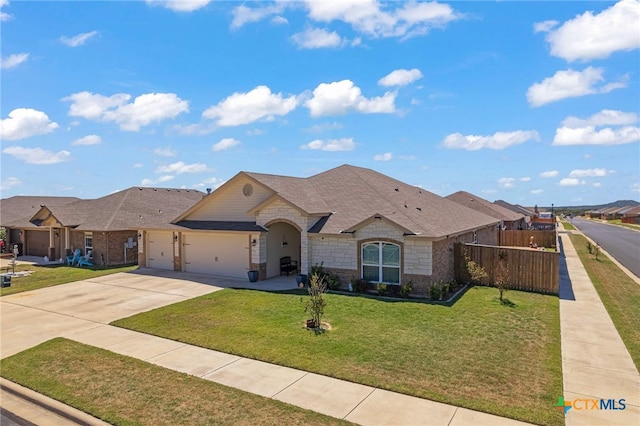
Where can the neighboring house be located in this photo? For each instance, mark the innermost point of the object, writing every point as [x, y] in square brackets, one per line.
[509, 220]
[354, 221]
[106, 226]
[15, 213]
[632, 215]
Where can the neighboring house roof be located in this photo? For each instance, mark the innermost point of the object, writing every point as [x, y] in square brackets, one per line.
[133, 208]
[515, 208]
[634, 211]
[16, 211]
[347, 197]
[483, 206]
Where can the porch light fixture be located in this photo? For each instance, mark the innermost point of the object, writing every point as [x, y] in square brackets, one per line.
[254, 243]
[139, 235]
[175, 238]
[55, 234]
[284, 241]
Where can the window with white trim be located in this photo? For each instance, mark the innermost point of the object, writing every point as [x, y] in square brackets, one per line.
[381, 262]
[88, 242]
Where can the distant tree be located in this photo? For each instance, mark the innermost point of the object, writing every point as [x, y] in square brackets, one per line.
[535, 209]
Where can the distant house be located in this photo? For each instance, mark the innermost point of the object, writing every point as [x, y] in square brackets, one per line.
[631, 215]
[106, 226]
[356, 222]
[509, 219]
[15, 215]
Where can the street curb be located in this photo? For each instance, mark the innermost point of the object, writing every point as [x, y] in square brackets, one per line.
[49, 404]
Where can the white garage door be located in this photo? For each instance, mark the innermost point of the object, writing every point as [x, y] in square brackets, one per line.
[160, 246]
[225, 255]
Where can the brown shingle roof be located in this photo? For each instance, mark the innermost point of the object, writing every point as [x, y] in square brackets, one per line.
[16, 211]
[480, 204]
[354, 194]
[133, 208]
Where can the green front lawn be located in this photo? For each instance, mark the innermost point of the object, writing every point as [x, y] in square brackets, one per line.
[47, 276]
[478, 353]
[618, 292]
[126, 391]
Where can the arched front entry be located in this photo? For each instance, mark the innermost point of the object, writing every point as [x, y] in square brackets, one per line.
[283, 239]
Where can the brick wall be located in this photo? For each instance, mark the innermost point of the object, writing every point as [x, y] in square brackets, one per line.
[108, 247]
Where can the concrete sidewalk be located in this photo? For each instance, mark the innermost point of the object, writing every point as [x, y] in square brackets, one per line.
[595, 361]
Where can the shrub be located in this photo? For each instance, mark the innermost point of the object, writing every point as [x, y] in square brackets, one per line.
[406, 289]
[332, 280]
[476, 272]
[435, 291]
[360, 285]
[381, 289]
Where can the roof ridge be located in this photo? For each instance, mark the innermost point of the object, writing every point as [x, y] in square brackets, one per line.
[117, 209]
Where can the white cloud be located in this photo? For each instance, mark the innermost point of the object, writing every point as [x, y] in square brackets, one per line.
[87, 140]
[525, 179]
[165, 152]
[317, 38]
[597, 185]
[161, 179]
[144, 110]
[9, 183]
[507, 182]
[181, 167]
[344, 144]
[499, 140]
[605, 117]
[13, 60]
[37, 155]
[319, 128]
[537, 191]
[3, 15]
[279, 20]
[366, 16]
[596, 36]
[180, 5]
[545, 26]
[578, 173]
[387, 156]
[570, 182]
[213, 183]
[343, 96]
[576, 131]
[24, 123]
[400, 77]
[78, 40]
[138, 166]
[549, 174]
[225, 144]
[635, 187]
[245, 108]
[570, 84]
[245, 15]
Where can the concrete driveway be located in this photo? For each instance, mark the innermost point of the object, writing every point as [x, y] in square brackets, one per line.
[33, 317]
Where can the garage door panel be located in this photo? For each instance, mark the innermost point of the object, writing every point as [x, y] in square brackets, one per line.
[225, 255]
[160, 250]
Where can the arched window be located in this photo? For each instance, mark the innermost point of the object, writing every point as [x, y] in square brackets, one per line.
[381, 262]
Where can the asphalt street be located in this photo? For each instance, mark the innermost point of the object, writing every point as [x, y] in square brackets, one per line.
[621, 243]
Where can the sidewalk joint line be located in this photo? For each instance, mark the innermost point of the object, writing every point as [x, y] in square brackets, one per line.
[360, 403]
[454, 414]
[306, 373]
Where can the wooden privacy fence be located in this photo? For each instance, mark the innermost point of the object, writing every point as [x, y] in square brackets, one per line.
[521, 238]
[529, 270]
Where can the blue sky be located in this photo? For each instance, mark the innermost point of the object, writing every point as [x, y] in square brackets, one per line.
[529, 102]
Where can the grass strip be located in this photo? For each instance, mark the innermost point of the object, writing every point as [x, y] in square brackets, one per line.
[47, 276]
[618, 292]
[477, 353]
[126, 391]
